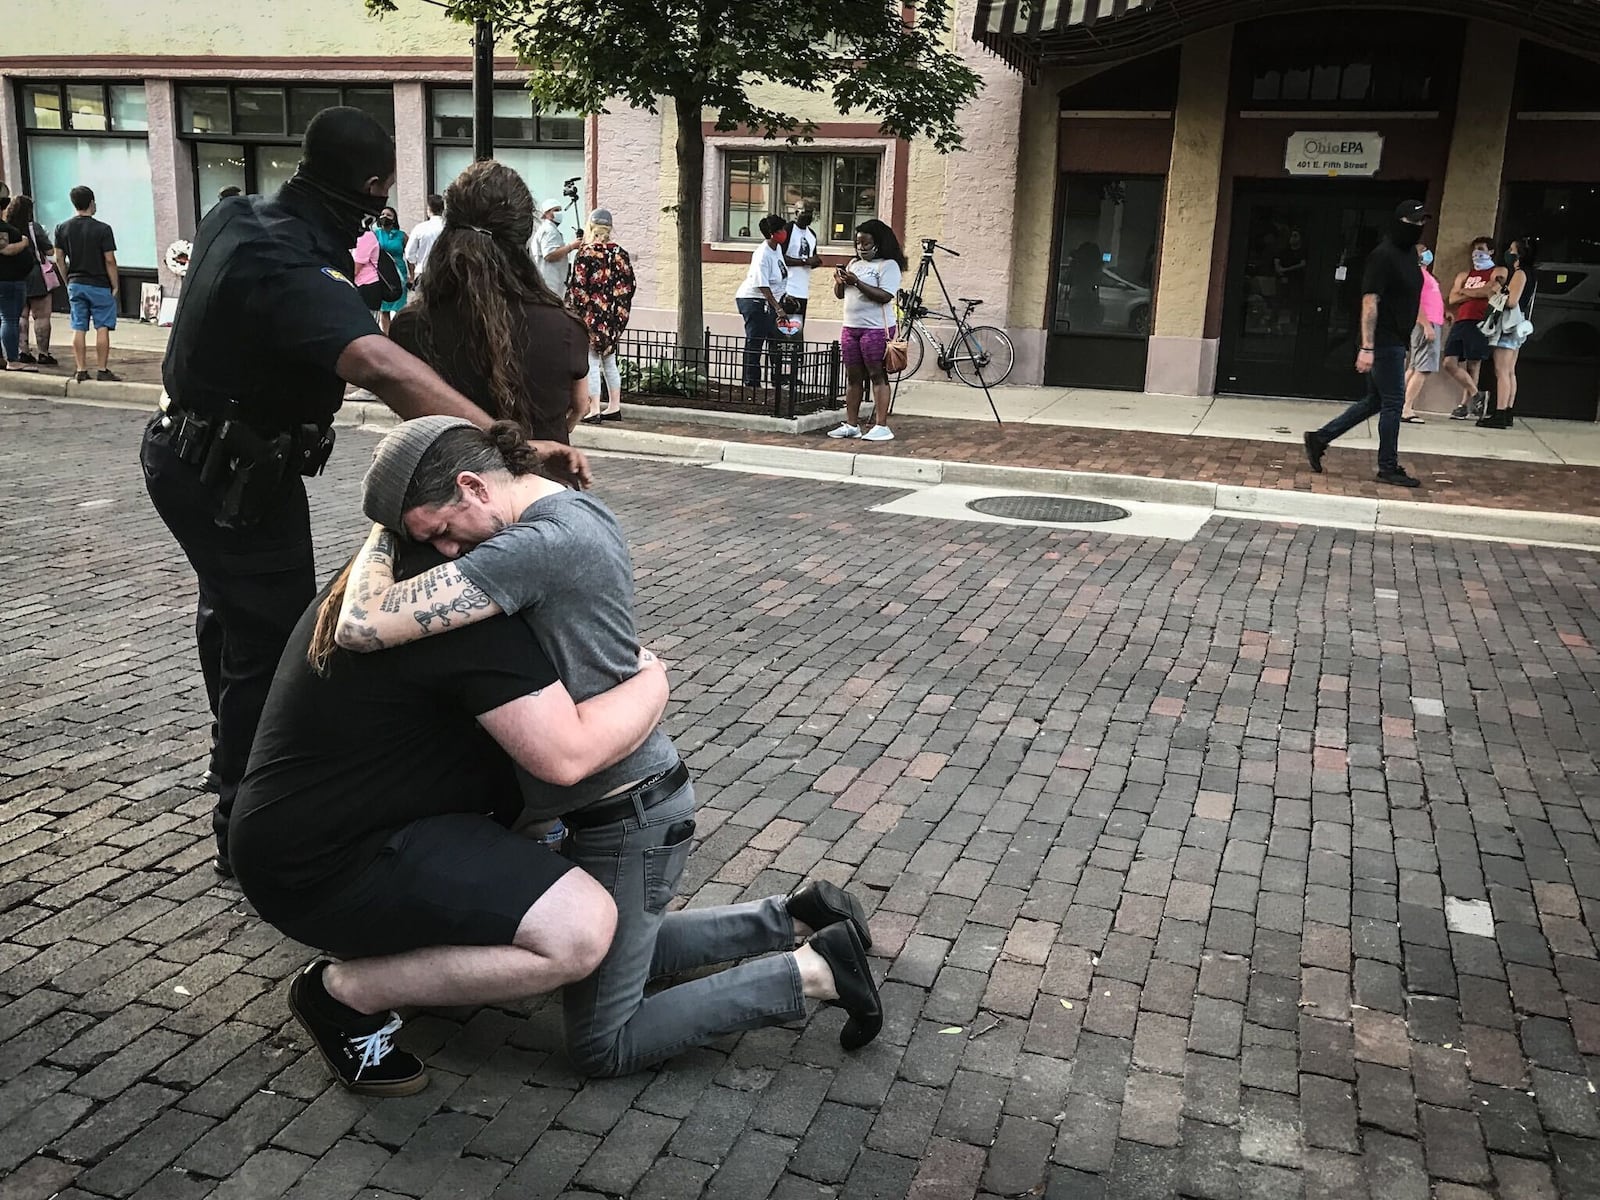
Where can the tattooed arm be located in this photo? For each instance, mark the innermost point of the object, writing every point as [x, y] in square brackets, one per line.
[379, 612]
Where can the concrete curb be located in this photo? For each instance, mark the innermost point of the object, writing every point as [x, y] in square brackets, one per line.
[1225, 500]
[805, 423]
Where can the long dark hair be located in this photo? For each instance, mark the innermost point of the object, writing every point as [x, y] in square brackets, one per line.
[888, 244]
[20, 212]
[480, 273]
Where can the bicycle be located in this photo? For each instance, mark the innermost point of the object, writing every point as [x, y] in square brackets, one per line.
[980, 355]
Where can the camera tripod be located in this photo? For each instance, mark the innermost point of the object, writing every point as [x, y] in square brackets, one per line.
[981, 355]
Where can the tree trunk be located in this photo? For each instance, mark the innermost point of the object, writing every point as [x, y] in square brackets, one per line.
[691, 180]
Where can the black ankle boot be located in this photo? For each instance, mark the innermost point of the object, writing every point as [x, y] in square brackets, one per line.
[820, 904]
[840, 947]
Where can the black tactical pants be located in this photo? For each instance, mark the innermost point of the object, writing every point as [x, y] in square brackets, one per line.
[254, 585]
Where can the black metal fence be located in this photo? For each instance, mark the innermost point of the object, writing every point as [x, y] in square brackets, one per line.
[777, 378]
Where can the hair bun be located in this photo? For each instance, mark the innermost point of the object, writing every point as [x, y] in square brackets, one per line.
[511, 440]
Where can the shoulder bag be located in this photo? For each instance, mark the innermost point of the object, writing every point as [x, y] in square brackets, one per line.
[47, 266]
[897, 350]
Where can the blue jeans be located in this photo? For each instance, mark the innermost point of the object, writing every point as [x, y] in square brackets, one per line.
[760, 325]
[613, 1028]
[13, 295]
[1385, 399]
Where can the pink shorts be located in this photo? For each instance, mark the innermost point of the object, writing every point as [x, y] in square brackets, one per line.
[863, 347]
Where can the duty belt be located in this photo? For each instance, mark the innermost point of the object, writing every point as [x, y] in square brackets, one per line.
[245, 464]
[305, 448]
[626, 804]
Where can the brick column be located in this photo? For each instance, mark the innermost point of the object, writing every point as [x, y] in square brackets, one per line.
[10, 135]
[1183, 361]
[171, 176]
[410, 197]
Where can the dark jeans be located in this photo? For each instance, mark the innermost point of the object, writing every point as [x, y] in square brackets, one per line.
[13, 296]
[254, 585]
[1385, 399]
[760, 325]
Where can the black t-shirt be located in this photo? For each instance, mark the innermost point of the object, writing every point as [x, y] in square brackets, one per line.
[1395, 277]
[555, 351]
[86, 242]
[343, 760]
[266, 310]
[14, 267]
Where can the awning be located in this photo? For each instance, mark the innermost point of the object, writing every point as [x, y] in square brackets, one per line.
[1030, 34]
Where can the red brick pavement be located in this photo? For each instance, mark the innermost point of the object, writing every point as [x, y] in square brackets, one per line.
[1490, 483]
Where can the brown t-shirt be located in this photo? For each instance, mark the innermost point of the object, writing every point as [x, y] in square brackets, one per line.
[555, 351]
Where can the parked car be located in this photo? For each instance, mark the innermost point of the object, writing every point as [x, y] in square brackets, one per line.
[1124, 305]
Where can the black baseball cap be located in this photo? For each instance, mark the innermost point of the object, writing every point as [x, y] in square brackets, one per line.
[1414, 211]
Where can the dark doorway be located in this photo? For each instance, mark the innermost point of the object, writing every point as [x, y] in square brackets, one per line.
[1293, 301]
[1107, 230]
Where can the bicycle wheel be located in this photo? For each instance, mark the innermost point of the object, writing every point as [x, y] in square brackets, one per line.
[914, 350]
[982, 354]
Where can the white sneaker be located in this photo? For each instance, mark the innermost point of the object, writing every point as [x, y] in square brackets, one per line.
[845, 431]
[878, 433]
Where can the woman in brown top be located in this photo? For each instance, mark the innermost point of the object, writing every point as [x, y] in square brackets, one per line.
[485, 320]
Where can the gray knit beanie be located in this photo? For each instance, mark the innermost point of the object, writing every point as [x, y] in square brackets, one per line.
[394, 462]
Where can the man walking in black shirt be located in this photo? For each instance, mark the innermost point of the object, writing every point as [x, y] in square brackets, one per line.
[1391, 290]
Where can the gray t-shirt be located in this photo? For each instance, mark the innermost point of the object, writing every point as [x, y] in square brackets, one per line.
[564, 567]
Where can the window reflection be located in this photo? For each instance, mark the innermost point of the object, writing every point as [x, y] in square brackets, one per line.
[1106, 271]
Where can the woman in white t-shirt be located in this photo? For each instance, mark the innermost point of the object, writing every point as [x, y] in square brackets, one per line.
[760, 301]
[868, 286]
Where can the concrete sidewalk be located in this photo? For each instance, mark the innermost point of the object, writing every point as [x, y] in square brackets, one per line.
[1535, 440]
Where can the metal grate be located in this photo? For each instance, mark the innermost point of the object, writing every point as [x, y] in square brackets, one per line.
[1047, 508]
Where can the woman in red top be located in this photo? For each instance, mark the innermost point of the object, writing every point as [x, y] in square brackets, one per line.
[1466, 349]
[601, 294]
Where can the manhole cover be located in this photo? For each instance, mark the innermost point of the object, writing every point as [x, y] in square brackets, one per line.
[1047, 508]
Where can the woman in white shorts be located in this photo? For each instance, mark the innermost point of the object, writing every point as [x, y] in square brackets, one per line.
[1521, 263]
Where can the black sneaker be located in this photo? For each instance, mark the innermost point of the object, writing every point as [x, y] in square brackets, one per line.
[81, 376]
[46, 360]
[25, 357]
[358, 1049]
[108, 377]
[1315, 449]
[1399, 478]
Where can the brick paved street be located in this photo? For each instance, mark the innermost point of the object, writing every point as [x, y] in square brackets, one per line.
[1160, 839]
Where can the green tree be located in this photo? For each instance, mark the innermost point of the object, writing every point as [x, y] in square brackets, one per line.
[872, 56]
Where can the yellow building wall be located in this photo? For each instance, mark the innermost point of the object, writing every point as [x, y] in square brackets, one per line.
[271, 28]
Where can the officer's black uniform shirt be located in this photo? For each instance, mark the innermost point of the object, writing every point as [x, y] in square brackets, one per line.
[266, 309]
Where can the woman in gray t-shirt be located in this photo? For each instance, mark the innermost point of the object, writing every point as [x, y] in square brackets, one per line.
[521, 543]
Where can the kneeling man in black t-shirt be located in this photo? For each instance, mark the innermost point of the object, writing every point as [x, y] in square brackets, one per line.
[374, 822]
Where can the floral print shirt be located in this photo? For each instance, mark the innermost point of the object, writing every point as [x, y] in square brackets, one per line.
[601, 293]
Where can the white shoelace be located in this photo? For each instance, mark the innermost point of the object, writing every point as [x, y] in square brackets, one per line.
[374, 1047]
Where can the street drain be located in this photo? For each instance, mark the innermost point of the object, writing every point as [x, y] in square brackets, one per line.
[1047, 508]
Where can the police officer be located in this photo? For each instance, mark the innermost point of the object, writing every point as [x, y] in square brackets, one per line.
[269, 329]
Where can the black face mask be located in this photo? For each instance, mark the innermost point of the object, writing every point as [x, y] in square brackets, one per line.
[1404, 233]
[351, 209]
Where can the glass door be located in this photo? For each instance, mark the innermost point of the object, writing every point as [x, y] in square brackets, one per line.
[1293, 300]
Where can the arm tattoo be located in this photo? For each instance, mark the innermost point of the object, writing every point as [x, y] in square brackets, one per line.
[472, 598]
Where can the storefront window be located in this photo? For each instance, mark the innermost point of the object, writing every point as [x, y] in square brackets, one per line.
[1565, 220]
[249, 137]
[1105, 273]
[546, 149]
[92, 134]
[841, 190]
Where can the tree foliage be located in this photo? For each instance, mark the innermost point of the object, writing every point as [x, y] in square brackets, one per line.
[871, 57]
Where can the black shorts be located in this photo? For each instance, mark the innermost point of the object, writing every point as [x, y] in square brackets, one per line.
[454, 880]
[1466, 343]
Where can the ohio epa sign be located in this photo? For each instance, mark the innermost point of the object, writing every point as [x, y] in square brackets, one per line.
[1333, 154]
